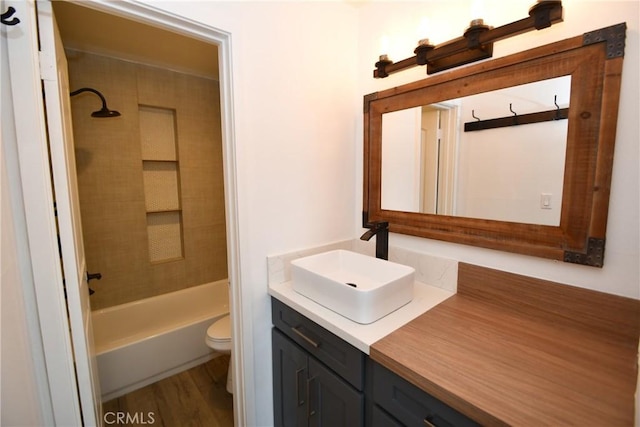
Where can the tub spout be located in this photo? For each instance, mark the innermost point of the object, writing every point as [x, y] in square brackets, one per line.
[90, 277]
[381, 231]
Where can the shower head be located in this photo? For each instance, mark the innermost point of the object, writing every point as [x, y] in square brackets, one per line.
[104, 112]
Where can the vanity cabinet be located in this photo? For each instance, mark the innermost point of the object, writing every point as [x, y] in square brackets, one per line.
[318, 378]
[321, 380]
[399, 403]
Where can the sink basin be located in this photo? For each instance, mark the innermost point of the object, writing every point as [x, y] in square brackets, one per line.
[356, 286]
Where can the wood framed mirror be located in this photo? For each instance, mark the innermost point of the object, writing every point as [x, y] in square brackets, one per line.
[399, 182]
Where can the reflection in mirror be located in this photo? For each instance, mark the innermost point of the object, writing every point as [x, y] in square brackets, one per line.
[513, 172]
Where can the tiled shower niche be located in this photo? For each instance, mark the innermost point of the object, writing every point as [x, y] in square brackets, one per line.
[161, 177]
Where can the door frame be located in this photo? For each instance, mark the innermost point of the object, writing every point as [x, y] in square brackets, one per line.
[55, 85]
[59, 397]
[38, 200]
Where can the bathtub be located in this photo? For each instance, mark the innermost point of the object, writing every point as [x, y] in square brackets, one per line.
[141, 342]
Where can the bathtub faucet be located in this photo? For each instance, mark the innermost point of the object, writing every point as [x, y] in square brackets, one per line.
[381, 231]
[90, 277]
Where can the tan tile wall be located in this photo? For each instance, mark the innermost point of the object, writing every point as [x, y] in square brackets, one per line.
[109, 163]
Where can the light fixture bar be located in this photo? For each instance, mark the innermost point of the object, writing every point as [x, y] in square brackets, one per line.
[475, 44]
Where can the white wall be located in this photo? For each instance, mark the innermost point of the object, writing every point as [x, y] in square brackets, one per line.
[503, 172]
[21, 362]
[401, 155]
[19, 395]
[447, 20]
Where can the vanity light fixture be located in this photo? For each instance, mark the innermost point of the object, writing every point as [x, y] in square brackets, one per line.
[475, 44]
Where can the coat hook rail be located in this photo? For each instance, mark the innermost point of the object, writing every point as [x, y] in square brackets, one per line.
[518, 119]
[4, 18]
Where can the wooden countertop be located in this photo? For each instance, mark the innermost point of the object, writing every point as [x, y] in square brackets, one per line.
[512, 350]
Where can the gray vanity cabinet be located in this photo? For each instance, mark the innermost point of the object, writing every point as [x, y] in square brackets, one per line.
[321, 380]
[318, 378]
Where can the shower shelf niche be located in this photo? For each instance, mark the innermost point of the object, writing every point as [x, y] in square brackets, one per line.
[161, 177]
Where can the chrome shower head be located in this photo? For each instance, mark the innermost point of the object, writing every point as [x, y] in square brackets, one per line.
[104, 112]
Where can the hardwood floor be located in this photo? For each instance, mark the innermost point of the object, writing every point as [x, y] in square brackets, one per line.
[196, 397]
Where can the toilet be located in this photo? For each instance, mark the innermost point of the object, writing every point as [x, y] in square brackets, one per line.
[219, 339]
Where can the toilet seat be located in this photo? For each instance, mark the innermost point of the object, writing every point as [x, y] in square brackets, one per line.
[219, 334]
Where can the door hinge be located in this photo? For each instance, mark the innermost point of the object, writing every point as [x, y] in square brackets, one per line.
[47, 66]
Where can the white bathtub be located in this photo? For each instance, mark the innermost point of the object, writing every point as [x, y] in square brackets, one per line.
[144, 341]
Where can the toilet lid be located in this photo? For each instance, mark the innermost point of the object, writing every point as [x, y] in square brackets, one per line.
[221, 329]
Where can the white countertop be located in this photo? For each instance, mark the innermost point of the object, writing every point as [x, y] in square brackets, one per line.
[359, 335]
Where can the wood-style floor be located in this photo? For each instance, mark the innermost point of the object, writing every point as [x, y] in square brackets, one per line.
[196, 397]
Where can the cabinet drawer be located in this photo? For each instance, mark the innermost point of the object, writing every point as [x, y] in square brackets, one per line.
[410, 405]
[381, 419]
[340, 356]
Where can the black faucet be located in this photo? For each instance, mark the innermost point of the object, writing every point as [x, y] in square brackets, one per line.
[381, 229]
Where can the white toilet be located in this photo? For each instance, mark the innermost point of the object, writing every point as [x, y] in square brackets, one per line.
[219, 339]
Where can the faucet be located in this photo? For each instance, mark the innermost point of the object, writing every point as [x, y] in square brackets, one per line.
[381, 229]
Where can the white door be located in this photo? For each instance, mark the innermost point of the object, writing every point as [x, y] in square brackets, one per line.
[438, 162]
[430, 147]
[55, 79]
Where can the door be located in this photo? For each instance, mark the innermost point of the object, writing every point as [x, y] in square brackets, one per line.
[306, 393]
[438, 162]
[332, 402]
[55, 79]
[430, 143]
[289, 382]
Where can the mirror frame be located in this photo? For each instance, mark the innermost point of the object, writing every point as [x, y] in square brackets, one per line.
[594, 61]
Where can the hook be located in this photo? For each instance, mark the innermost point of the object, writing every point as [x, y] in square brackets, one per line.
[473, 114]
[555, 98]
[4, 18]
[515, 115]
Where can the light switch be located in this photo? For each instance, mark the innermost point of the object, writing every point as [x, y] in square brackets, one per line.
[545, 201]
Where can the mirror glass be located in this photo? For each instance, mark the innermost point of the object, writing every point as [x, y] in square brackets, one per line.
[512, 172]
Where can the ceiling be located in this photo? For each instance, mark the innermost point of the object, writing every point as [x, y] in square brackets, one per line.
[89, 30]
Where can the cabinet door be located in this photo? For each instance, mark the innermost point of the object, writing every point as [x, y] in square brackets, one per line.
[289, 382]
[381, 419]
[332, 401]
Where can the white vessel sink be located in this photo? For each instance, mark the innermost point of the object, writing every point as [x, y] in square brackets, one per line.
[356, 286]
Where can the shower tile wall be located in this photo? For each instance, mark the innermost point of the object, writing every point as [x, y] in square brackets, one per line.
[110, 178]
